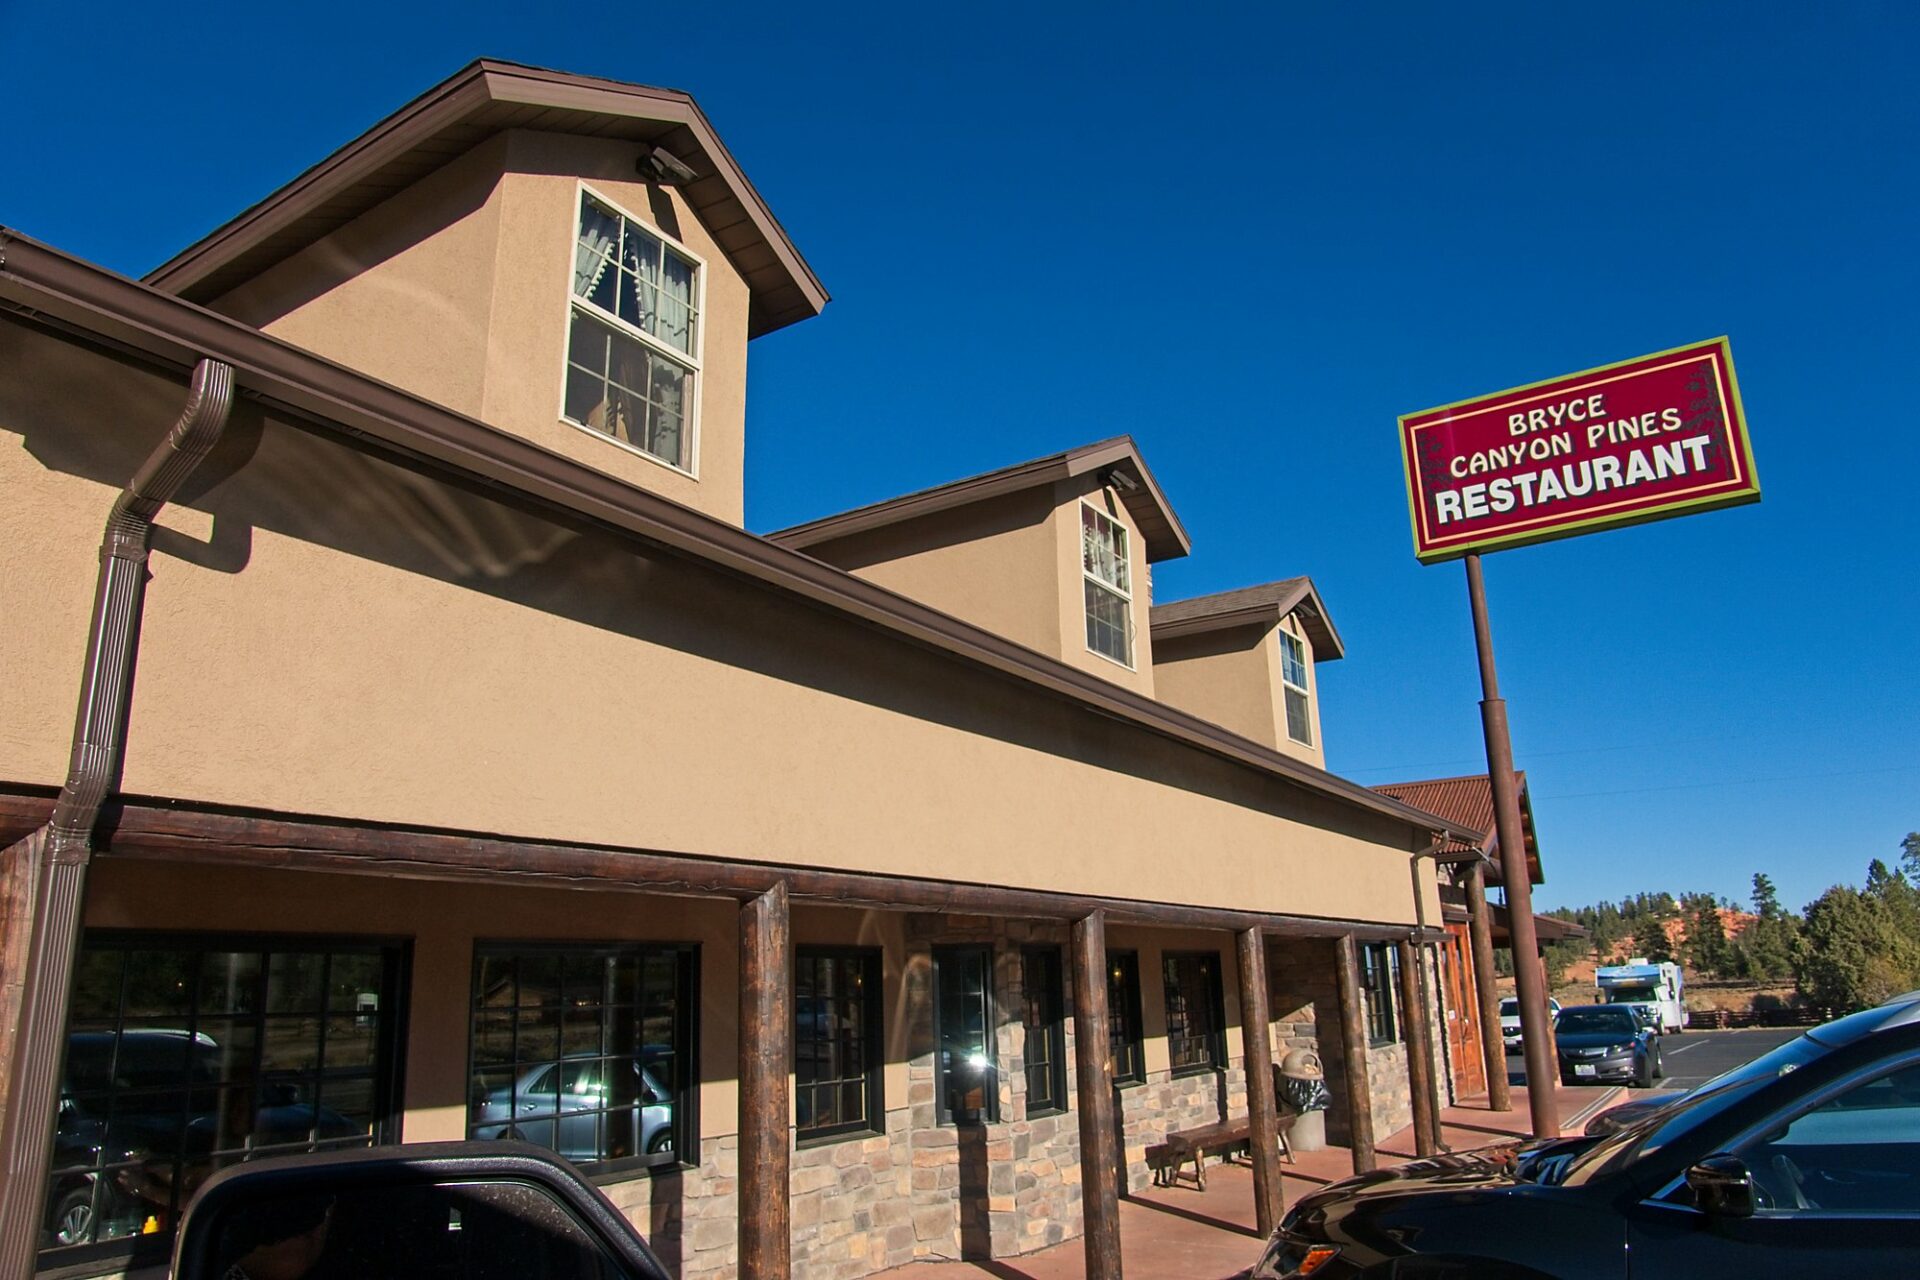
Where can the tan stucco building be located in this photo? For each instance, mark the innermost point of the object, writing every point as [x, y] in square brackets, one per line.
[480, 775]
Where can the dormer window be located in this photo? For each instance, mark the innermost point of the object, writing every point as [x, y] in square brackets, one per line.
[633, 344]
[1103, 561]
[1293, 680]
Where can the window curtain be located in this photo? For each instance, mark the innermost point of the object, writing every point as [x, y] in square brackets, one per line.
[599, 234]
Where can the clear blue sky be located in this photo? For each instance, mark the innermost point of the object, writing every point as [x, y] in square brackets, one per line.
[1251, 236]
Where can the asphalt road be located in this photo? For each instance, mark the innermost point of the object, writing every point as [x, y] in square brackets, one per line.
[1695, 1057]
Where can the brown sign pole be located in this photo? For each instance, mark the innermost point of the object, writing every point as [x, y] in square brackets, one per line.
[1529, 978]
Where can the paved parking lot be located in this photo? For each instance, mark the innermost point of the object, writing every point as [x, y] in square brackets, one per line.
[1695, 1057]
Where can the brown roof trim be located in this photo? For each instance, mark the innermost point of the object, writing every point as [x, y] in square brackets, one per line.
[1160, 528]
[57, 288]
[479, 100]
[1466, 800]
[1261, 605]
[145, 829]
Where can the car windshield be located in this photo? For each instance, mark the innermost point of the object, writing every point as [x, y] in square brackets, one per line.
[1509, 1007]
[1591, 1021]
[1662, 1128]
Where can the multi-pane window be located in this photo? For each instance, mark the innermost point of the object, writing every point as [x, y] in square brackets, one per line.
[967, 1089]
[1293, 681]
[1045, 1032]
[1109, 591]
[1378, 969]
[187, 1054]
[587, 1050]
[1124, 1039]
[837, 1041]
[633, 341]
[1195, 1010]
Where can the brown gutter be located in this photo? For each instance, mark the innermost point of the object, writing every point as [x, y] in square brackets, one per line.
[54, 858]
[66, 291]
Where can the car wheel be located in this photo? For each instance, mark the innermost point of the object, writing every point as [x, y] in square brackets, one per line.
[1659, 1065]
[71, 1221]
[661, 1141]
[1643, 1074]
[512, 1133]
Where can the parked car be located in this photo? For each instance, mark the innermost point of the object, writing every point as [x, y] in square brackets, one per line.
[113, 1172]
[1598, 1042]
[480, 1211]
[1808, 1155]
[564, 1106]
[1510, 1020]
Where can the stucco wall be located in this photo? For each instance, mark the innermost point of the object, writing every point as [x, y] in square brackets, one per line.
[1233, 678]
[457, 289]
[1068, 495]
[330, 632]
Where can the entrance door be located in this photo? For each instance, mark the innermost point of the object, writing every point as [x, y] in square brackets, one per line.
[1462, 1014]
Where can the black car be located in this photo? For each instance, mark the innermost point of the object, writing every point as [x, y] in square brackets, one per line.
[1599, 1042]
[1806, 1159]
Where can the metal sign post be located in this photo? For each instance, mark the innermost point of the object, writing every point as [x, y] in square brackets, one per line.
[1528, 979]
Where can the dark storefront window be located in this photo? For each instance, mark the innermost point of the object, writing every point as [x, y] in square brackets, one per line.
[1378, 968]
[1195, 1011]
[185, 1054]
[1124, 1037]
[968, 1087]
[587, 1050]
[837, 1042]
[1046, 1040]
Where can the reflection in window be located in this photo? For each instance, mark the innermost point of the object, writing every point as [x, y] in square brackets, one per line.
[1856, 1155]
[1293, 678]
[187, 1054]
[968, 1084]
[1378, 969]
[1109, 595]
[633, 340]
[1045, 1048]
[837, 1042]
[1194, 1010]
[584, 1050]
[1127, 1044]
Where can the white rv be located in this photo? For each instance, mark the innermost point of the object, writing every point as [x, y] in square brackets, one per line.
[1657, 987]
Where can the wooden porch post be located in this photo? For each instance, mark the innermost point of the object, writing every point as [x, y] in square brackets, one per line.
[1269, 1197]
[1419, 1040]
[1493, 1047]
[1100, 1169]
[766, 1056]
[1353, 1041]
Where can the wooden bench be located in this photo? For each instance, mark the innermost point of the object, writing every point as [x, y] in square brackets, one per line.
[1168, 1158]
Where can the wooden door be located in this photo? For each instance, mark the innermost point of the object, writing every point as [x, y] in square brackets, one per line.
[1462, 1014]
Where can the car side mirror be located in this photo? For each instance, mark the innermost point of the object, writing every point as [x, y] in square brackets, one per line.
[402, 1212]
[1722, 1186]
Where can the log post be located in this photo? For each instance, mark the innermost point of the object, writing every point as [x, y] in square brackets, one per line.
[1100, 1169]
[1493, 1047]
[766, 1057]
[1353, 1044]
[1263, 1118]
[1419, 1041]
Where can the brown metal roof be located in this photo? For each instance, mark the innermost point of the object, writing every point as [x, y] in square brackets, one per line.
[1453, 910]
[450, 119]
[1251, 606]
[1160, 528]
[1467, 801]
[58, 290]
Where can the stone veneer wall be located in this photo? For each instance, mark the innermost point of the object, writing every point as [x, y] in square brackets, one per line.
[1304, 999]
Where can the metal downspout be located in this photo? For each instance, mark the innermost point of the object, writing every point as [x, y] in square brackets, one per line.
[57, 855]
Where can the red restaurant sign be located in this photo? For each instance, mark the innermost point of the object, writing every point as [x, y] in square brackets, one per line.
[1640, 440]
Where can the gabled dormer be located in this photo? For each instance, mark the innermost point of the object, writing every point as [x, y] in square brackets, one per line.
[1246, 660]
[1052, 554]
[577, 261]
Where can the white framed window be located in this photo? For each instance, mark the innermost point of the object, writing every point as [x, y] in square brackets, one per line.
[1293, 682]
[633, 335]
[1109, 592]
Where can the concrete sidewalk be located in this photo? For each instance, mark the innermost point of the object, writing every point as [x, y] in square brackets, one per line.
[1209, 1235]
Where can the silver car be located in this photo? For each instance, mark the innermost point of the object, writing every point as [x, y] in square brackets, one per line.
[565, 1106]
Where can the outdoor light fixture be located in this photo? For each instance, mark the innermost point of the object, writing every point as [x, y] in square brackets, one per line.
[657, 164]
[1120, 480]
